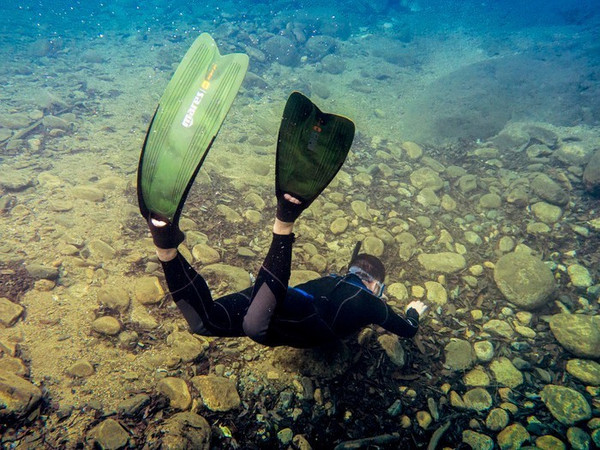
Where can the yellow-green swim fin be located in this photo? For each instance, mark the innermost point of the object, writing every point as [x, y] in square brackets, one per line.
[187, 120]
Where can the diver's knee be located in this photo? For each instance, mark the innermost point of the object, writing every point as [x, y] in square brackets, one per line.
[254, 331]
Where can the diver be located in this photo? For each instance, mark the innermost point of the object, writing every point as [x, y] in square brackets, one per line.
[312, 146]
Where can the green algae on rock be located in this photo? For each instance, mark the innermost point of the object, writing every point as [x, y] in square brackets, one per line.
[586, 371]
[513, 437]
[506, 373]
[578, 333]
[445, 262]
[459, 354]
[566, 405]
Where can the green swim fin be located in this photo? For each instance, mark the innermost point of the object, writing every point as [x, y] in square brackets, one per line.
[311, 148]
[184, 126]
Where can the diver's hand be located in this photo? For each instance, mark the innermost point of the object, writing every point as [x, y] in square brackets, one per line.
[418, 306]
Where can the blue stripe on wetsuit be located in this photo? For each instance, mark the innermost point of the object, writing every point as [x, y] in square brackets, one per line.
[303, 293]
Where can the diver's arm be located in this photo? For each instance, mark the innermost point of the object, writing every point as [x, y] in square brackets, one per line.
[403, 327]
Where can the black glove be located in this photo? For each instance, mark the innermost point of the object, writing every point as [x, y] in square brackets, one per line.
[413, 316]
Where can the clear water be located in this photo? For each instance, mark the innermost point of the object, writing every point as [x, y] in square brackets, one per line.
[449, 75]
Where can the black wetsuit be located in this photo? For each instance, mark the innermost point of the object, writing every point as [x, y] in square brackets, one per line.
[270, 313]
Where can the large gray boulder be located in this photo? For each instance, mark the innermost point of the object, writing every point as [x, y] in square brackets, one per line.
[283, 50]
[524, 280]
[591, 174]
[548, 189]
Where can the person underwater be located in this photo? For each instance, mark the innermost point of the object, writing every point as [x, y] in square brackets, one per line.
[312, 147]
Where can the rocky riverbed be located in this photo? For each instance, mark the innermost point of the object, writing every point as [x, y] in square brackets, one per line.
[94, 350]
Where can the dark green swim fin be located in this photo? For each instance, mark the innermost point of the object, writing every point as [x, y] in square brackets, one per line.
[187, 120]
[311, 148]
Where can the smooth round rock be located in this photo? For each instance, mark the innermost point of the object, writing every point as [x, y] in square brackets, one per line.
[436, 293]
[81, 369]
[397, 291]
[513, 436]
[282, 50]
[426, 178]
[586, 371]
[549, 190]
[205, 254]
[413, 151]
[182, 431]
[106, 325]
[484, 351]
[506, 244]
[524, 280]
[580, 277]
[339, 225]
[407, 245]
[445, 262]
[186, 346]
[506, 373]
[114, 297]
[499, 328]
[148, 290]
[490, 201]
[578, 438]
[459, 354]
[478, 399]
[546, 213]
[497, 419]
[578, 333]
[549, 442]
[476, 378]
[361, 209]
[373, 246]
[477, 440]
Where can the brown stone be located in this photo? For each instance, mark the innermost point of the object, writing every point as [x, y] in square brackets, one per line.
[218, 393]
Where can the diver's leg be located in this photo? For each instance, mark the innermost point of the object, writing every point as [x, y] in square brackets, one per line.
[271, 283]
[193, 298]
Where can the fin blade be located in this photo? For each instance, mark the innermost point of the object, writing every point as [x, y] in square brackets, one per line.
[189, 116]
[312, 147]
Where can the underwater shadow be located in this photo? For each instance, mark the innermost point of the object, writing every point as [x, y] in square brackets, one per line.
[477, 101]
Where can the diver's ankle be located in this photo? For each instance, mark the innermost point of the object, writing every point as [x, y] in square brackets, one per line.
[166, 254]
[283, 228]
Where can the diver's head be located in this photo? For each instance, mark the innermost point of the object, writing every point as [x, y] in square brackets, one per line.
[370, 270]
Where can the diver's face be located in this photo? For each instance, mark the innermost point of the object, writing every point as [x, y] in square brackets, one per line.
[373, 285]
[376, 287]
